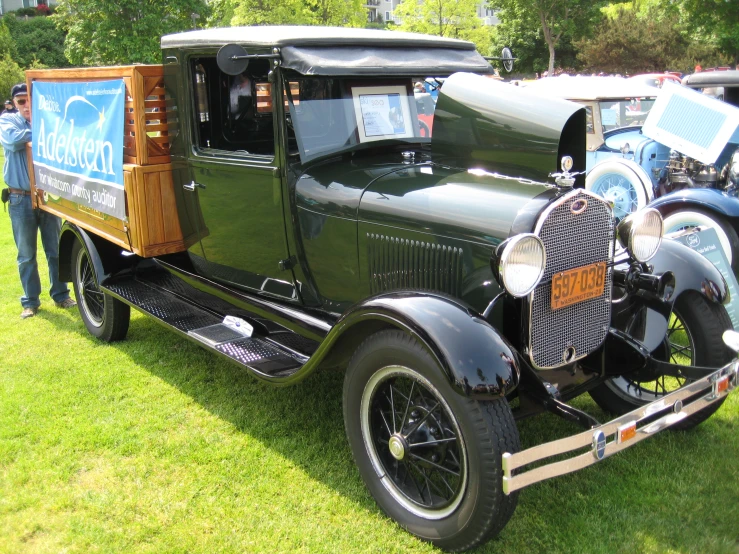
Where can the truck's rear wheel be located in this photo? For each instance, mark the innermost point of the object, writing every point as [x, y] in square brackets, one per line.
[104, 316]
[430, 456]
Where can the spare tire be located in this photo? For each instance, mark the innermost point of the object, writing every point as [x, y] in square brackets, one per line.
[623, 182]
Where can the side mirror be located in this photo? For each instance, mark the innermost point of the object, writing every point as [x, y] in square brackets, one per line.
[232, 59]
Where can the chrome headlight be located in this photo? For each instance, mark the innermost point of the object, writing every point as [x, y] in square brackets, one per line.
[520, 263]
[641, 233]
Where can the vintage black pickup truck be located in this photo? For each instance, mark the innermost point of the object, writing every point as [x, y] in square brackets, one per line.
[437, 246]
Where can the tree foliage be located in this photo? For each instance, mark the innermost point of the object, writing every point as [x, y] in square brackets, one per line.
[445, 18]
[717, 19]
[345, 13]
[10, 74]
[558, 20]
[36, 40]
[101, 32]
[652, 40]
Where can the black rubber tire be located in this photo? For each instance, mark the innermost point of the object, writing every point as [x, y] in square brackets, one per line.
[705, 321]
[105, 317]
[487, 430]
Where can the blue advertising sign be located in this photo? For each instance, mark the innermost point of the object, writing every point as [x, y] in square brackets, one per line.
[78, 143]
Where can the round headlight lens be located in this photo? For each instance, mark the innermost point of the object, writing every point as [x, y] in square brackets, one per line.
[645, 235]
[522, 264]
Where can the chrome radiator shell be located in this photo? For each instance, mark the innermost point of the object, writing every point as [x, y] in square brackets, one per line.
[572, 238]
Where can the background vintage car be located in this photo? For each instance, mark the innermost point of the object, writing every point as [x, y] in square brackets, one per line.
[632, 169]
[706, 194]
[616, 109]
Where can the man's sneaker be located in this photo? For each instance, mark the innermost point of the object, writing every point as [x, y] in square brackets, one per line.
[28, 312]
[66, 303]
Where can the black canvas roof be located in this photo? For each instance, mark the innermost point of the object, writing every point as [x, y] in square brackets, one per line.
[296, 35]
[344, 51]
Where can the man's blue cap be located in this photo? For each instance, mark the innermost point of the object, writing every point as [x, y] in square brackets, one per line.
[18, 89]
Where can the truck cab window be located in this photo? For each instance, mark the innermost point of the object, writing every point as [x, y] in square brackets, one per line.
[226, 113]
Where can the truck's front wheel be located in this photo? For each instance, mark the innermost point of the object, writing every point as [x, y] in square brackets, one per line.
[104, 316]
[430, 456]
[693, 338]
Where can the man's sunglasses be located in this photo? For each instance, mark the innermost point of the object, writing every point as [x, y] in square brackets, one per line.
[21, 101]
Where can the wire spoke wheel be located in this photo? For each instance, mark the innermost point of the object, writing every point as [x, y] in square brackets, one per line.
[431, 457]
[414, 440]
[621, 192]
[104, 316]
[92, 299]
[692, 338]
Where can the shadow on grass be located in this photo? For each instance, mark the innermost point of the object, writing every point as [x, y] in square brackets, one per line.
[615, 506]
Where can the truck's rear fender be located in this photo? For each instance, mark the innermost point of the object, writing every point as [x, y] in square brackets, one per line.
[476, 359]
[106, 257]
[646, 318]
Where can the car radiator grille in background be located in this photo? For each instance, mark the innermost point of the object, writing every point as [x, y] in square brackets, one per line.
[571, 240]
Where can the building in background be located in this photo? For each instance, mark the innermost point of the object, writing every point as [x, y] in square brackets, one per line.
[382, 10]
[12, 5]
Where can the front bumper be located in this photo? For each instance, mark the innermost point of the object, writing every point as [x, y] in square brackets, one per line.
[620, 433]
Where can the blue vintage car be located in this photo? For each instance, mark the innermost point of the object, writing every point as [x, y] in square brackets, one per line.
[631, 169]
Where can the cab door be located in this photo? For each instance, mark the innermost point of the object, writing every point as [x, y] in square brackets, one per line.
[235, 178]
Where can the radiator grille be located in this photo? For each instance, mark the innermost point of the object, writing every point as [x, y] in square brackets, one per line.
[396, 263]
[571, 240]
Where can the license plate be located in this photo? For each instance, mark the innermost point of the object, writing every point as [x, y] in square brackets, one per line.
[577, 285]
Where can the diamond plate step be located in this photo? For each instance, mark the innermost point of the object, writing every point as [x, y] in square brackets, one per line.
[261, 356]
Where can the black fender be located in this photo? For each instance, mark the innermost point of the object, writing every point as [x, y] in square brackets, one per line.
[647, 317]
[106, 257]
[477, 360]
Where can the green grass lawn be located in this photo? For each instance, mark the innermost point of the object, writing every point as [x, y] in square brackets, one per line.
[154, 445]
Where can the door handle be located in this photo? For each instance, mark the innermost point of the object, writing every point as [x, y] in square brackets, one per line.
[193, 186]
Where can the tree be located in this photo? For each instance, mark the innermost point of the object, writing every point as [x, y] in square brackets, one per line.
[103, 32]
[10, 74]
[445, 18]
[644, 41]
[717, 19]
[341, 13]
[555, 18]
[36, 38]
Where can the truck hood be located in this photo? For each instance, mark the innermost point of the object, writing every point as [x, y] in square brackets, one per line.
[480, 122]
[472, 205]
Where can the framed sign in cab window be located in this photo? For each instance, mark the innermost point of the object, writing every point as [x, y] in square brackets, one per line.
[382, 112]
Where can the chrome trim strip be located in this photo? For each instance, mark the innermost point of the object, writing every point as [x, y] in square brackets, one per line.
[675, 401]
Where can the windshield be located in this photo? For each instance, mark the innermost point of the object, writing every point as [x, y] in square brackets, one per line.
[626, 112]
[331, 115]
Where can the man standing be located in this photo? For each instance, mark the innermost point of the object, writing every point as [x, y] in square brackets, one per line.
[15, 132]
[9, 107]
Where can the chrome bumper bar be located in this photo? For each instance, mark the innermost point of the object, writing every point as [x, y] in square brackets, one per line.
[625, 431]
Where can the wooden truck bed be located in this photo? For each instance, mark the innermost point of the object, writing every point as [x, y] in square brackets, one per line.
[152, 227]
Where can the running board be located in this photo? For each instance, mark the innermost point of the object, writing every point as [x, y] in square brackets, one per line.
[272, 357]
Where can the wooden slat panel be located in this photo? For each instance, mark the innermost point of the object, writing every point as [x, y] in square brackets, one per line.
[153, 160]
[172, 230]
[155, 219]
[132, 211]
[155, 104]
[141, 81]
[156, 127]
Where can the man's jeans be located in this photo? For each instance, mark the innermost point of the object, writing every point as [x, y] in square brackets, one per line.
[26, 224]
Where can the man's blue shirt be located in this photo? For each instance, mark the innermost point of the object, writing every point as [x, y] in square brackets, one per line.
[15, 132]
